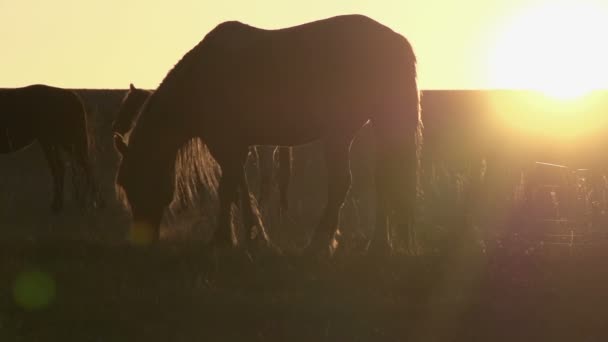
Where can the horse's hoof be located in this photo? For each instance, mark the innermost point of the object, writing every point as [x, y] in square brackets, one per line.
[259, 243]
[323, 252]
[322, 247]
[257, 233]
[100, 204]
[263, 248]
[378, 249]
[223, 242]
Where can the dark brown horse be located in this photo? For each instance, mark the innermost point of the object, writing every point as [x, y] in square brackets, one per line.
[56, 118]
[243, 86]
[130, 106]
[134, 100]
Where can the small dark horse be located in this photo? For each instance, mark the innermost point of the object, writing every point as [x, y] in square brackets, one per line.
[243, 86]
[134, 100]
[56, 118]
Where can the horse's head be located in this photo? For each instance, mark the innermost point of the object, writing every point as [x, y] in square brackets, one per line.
[141, 184]
[129, 108]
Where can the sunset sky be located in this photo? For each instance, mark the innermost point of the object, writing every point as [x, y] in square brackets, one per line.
[460, 44]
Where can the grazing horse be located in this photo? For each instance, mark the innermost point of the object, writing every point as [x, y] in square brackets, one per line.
[243, 86]
[56, 118]
[134, 100]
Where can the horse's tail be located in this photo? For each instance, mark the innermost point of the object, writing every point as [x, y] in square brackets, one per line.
[84, 183]
[197, 178]
[398, 134]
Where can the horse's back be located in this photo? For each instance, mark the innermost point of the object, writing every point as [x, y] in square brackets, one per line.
[41, 112]
[287, 86]
[342, 49]
[349, 31]
[344, 24]
[53, 108]
[53, 95]
[43, 97]
[285, 76]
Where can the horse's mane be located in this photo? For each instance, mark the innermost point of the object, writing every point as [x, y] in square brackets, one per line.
[170, 88]
[196, 178]
[183, 69]
[197, 175]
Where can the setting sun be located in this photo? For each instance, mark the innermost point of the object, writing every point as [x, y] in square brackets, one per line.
[558, 48]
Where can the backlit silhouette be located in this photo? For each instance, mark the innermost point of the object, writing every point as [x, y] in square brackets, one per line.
[127, 115]
[56, 118]
[243, 86]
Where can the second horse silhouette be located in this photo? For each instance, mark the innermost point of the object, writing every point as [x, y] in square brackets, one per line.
[57, 119]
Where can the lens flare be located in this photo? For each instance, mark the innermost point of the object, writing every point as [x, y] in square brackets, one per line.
[141, 234]
[33, 290]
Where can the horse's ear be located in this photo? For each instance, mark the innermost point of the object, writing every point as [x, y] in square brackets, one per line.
[132, 87]
[120, 144]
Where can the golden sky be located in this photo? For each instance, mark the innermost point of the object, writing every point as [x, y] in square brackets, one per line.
[461, 44]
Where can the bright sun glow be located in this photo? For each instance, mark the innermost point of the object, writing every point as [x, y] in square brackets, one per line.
[558, 48]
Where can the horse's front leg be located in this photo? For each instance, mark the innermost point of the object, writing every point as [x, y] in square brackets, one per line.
[265, 172]
[285, 157]
[232, 163]
[251, 215]
[324, 240]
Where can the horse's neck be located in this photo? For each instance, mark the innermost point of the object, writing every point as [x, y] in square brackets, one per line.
[161, 140]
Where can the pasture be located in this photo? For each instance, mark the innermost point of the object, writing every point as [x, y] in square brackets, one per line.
[481, 271]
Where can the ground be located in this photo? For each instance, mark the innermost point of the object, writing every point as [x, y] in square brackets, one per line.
[182, 291]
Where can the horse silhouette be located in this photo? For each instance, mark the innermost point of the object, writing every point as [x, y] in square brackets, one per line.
[134, 100]
[243, 86]
[130, 106]
[56, 118]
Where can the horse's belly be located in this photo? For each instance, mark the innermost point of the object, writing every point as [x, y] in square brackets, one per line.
[7, 146]
[295, 127]
[10, 143]
[288, 130]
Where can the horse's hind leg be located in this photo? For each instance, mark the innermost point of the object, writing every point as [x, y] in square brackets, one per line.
[81, 157]
[381, 241]
[79, 150]
[396, 181]
[53, 158]
[339, 180]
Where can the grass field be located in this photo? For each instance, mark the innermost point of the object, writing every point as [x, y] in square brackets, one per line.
[482, 272]
[180, 291]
